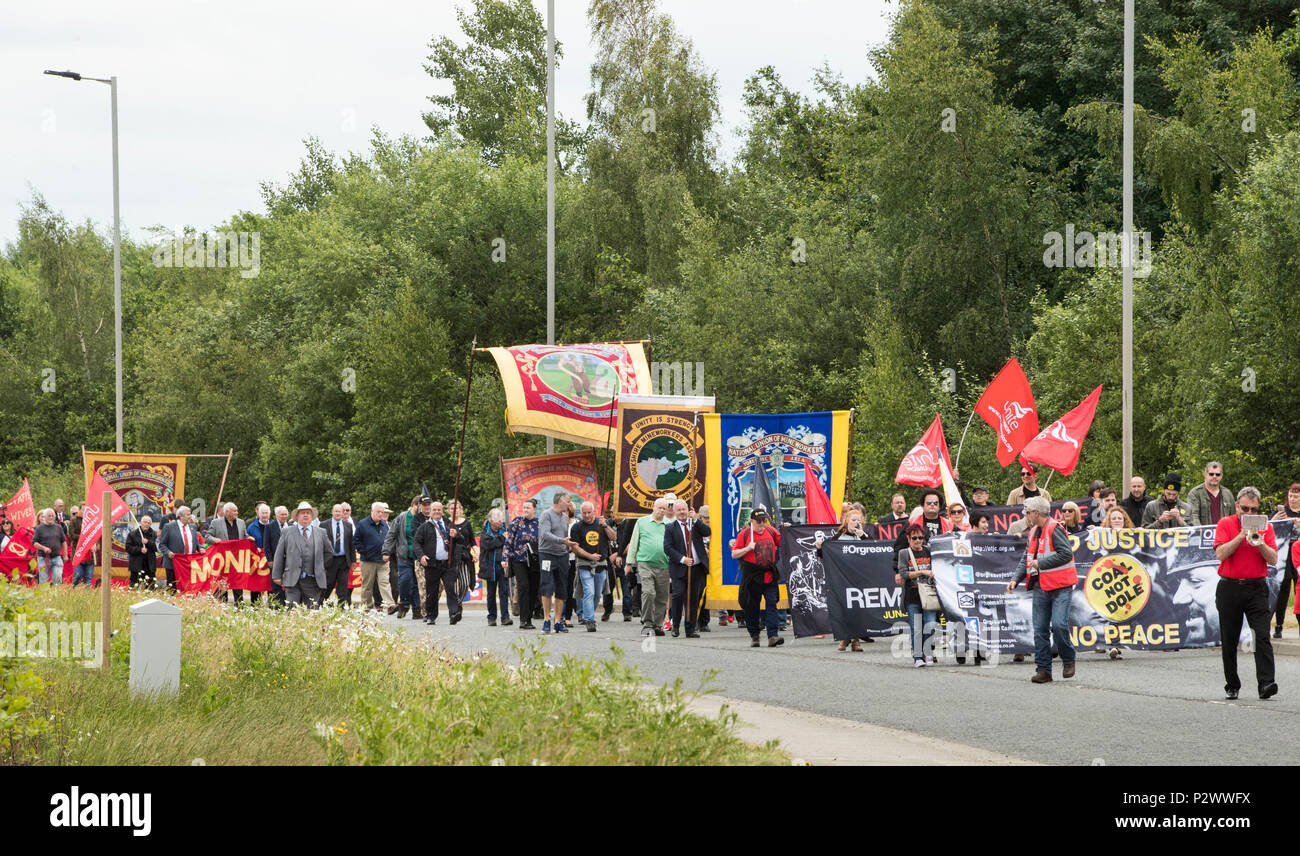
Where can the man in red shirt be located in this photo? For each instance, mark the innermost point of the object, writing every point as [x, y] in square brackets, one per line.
[1245, 556]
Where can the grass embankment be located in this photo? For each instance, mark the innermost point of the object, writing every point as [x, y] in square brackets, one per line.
[323, 687]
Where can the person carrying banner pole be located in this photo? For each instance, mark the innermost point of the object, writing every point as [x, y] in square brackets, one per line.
[1048, 563]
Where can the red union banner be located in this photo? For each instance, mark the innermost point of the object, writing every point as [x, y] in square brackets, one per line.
[1008, 407]
[92, 518]
[236, 564]
[16, 558]
[19, 509]
[920, 465]
[569, 391]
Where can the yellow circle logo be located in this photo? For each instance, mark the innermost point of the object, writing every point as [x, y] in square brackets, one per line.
[1117, 587]
[593, 538]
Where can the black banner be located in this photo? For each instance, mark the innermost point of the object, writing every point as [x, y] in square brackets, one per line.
[1002, 516]
[861, 595]
[804, 579]
[1146, 589]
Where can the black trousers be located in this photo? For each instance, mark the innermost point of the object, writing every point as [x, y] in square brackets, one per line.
[1236, 601]
[571, 602]
[253, 596]
[631, 593]
[1284, 593]
[441, 571]
[393, 576]
[336, 580]
[527, 578]
[691, 605]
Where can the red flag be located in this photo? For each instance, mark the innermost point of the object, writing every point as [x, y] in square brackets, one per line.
[1058, 445]
[920, 466]
[92, 523]
[820, 510]
[16, 559]
[1008, 407]
[20, 509]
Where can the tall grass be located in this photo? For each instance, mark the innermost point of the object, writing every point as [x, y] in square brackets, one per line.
[260, 686]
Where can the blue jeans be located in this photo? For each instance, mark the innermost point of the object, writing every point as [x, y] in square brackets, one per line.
[408, 590]
[921, 624]
[1052, 611]
[769, 594]
[84, 573]
[49, 570]
[593, 586]
[497, 590]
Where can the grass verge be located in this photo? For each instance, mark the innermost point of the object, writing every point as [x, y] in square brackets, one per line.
[327, 687]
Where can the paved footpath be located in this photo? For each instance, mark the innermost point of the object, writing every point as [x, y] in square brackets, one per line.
[875, 708]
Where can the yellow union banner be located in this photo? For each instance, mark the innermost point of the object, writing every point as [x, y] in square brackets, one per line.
[570, 392]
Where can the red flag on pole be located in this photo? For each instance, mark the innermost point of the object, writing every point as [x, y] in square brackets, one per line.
[1007, 405]
[820, 510]
[1058, 445]
[92, 519]
[920, 466]
[20, 509]
[16, 558]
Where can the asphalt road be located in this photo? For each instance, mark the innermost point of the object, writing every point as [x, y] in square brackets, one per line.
[1148, 708]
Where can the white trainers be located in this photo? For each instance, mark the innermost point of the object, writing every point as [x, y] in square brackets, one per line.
[918, 663]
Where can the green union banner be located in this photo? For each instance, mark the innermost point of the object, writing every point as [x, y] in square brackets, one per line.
[660, 450]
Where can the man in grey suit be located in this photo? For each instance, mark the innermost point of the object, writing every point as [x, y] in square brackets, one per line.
[300, 559]
[179, 537]
[228, 527]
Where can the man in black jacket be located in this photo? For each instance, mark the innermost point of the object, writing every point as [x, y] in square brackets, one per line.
[338, 556]
[688, 566]
[433, 554]
[142, 554]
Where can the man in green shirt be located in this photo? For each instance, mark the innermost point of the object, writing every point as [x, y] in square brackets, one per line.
[645, 550]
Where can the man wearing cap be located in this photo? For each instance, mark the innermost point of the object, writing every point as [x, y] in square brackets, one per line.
[400, 542]
[979, 498]
[1209, 502]
[1168, 511]
[1048, 565]
[756, 549]
[368, 538]
[300, 559]
[1245, 554]
[1028, 486]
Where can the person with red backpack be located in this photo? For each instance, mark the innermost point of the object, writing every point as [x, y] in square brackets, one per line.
[756, 549]
[1048, 563]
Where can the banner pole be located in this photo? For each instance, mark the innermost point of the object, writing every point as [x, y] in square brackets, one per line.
[464, 420]
[957, 463]
[222, 486]
[105, 579]
[609, 440]
[1050, 473]
[501, 471]
[853, 422]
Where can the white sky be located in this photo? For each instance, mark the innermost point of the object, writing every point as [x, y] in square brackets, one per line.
[216, 96]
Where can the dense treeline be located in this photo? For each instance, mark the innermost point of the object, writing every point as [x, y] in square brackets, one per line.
[866, 238]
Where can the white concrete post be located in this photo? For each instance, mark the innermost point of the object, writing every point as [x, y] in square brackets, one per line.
[155, 648]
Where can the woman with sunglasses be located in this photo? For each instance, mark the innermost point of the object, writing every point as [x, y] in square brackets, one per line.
[914, 565]
[854, 528]
[1072, 519]
[957, 517]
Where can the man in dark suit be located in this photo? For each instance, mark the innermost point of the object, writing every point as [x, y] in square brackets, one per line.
[688, 566]
[433, 554]
[339, 556]
[142, 554]
[180, 537]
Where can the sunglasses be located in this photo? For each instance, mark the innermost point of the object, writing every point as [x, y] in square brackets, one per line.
[1025, 475]
[1250, 509]
[956, 511]
[916, 537]
[931, 502]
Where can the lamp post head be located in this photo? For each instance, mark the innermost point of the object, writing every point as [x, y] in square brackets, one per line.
[71, 75]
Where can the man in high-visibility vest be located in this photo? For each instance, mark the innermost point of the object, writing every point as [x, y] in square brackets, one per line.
[1048, 563]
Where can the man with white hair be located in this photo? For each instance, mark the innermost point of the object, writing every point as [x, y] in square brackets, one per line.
[493, 567]
[282, 516]
[265, 533]
[339, 553]
[179, 537]
[368, 537]
[645, 551]
[687, 567]
[1048, 565]
[228, 527]
[589, 539]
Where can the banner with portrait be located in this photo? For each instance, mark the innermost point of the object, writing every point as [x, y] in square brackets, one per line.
[737, 445]
[149, 484]
[540, 476]
[1147, 589]
[568, 391]
[660, 444]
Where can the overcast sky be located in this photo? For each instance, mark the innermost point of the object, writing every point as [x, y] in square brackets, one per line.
[216, 96]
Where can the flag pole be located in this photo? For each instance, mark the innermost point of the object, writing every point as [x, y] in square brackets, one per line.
[609, 439]
[105, 579]
[853, 422]
[464, 420]
[957, 463]
[221, 487]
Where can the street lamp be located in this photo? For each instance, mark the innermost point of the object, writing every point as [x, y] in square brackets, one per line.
[117, 254]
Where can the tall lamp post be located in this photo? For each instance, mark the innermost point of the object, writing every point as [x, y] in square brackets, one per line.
[1127, 255]
[117, 255]
[550, 184]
